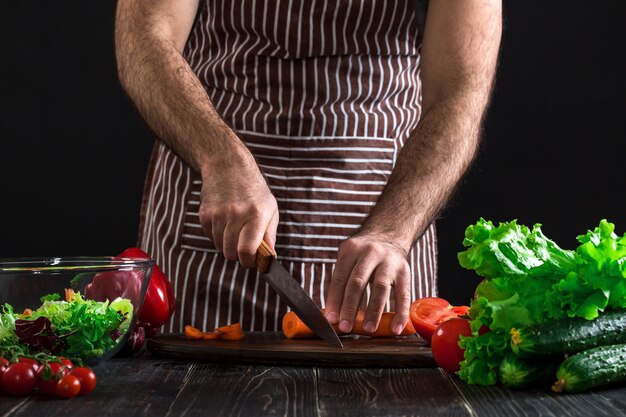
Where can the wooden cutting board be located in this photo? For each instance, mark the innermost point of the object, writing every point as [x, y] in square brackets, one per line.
[272, 348]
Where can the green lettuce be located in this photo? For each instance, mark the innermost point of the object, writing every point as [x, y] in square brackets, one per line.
[7, 326]
[510, 249]
[124, 307]
[78, 328]
[483, 354]
[529, 279]
[88, 327]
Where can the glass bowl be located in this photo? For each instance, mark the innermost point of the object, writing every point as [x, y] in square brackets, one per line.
[78, 307]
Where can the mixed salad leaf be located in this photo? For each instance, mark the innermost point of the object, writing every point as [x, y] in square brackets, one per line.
[529, 279]
[75, 327]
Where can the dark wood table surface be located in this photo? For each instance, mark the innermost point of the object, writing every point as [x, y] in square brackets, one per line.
[146, 385]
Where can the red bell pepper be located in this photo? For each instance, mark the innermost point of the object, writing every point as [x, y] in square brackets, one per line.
[159, 303]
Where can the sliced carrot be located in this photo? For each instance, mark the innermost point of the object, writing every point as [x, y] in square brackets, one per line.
[69, 293]
[231, 328]
[27, 312]
[193, 333]
[384, 326]
[233, 336]
[211, 335]
[294, 328]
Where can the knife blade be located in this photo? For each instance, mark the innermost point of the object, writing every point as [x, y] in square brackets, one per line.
[288, 289]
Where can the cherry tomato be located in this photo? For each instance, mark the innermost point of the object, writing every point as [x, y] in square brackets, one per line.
[429, 312]
[68, 386]
[19, 379]
[445, 343]
[65, 361]
[86, 377]
[29, 361]
[49, 375]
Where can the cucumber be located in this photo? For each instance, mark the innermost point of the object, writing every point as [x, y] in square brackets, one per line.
[516, 372]
[592, 368]
[569, 335]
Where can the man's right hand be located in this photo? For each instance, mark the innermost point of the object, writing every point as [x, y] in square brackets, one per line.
[237, 209]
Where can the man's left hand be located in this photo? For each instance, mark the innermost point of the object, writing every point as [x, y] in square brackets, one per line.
[369, 259]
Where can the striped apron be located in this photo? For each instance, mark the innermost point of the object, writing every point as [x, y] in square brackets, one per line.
[323, 93]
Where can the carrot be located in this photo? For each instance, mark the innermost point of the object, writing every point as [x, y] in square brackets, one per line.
[229, 332]
[211, 335]
[231, 328]
[69, 293]
[27, 312]
[193, 333]
[294, 328]
[232, 336]
[384, 326]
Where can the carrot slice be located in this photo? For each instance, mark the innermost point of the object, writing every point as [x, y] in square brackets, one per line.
[294, 328]
[231, 328]
[27, 312]
[69, 293]
[232, 336]
[211, 335]
[193, 333]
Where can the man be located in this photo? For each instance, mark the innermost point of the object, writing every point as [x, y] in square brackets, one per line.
[322, 126]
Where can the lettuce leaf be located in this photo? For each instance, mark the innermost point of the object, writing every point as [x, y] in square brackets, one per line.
[530, 279]
[124, 308]
[7, 325]
[510, 249]
[483, 355]
[88, 327]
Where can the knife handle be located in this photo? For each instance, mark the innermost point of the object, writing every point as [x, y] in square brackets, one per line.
[264, 255]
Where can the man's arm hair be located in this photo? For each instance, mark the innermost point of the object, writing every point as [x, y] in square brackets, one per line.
[458, 64]
[149, 40]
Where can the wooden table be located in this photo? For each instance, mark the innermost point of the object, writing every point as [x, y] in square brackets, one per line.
[148, 386]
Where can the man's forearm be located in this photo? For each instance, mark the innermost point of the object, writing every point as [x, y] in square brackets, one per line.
[459, 58]
[166, 91]
[237, 210]
[427, 170]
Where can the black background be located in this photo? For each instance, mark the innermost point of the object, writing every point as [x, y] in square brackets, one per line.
[74, 152]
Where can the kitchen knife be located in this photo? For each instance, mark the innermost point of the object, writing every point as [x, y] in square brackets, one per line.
[290, 291]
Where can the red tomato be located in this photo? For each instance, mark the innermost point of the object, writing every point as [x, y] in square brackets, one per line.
[86, 377]
[68, 386]
[65, 361]
[19, 379]
[445, 343]
[49, 375]
[429, 312]
[29, 361]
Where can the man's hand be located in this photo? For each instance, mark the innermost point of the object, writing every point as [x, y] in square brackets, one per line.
[369, 260]
[237, 209]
